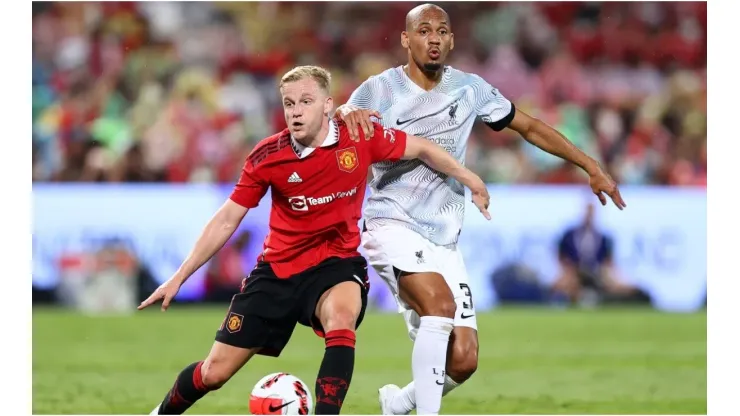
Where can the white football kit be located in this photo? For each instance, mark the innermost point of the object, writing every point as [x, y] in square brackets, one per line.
[414, 214]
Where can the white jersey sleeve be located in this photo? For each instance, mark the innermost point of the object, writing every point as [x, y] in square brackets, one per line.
[373, 94]
[490, 105]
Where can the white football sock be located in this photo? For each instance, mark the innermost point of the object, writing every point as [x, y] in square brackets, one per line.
[428, 361]
[405, 401]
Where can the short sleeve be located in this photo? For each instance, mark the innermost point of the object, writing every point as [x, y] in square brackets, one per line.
[370, 95]
[252, 185]
[491, 106]
[386, 144]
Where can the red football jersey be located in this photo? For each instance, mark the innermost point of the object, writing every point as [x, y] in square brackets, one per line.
[317, 193]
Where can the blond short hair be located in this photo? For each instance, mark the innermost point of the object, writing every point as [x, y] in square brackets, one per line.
[319, 74]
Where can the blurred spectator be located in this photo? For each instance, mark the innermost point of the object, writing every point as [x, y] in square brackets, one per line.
[517, 283]
[181, 92]
[588, 274]
[107, 277]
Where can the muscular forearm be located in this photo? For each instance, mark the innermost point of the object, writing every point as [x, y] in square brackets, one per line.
[215, 234]
[438, 159]
[551, 141]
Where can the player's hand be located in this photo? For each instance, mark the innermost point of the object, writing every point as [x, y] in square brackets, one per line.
[166, 292]
[356, 118]
[601, 183]
[481, 199]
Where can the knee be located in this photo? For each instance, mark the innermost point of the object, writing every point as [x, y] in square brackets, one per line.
[339, 307]
[463, 360]
[439, 305]
[428, 294]
[339, 317]
[214, 373]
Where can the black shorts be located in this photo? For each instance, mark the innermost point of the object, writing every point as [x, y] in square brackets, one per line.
[265, 312]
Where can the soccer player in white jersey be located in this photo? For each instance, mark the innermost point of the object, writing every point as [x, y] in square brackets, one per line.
[414, 214]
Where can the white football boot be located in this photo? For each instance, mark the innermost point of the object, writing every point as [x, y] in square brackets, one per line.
[385, 397]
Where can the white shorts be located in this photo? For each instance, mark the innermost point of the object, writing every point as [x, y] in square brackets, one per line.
[390, 249]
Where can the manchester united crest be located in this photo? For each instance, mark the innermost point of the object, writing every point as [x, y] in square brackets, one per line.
[234, 322]
[347, 159]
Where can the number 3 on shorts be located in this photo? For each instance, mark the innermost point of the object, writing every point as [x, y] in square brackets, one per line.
[467, 304]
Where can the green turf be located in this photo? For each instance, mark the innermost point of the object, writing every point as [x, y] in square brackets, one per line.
[531, 361]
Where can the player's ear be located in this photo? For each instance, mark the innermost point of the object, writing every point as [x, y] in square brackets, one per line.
[405, 39]
[328, 105]
[452, 41]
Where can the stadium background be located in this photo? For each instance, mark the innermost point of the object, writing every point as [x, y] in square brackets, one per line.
[144, 112]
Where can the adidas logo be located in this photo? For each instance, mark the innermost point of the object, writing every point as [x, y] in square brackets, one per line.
[294, 178]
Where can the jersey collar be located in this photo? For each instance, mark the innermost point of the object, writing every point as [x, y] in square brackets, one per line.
[303, 151]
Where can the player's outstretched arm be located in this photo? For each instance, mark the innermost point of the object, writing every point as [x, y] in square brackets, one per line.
[438, 159]
[215, 234]
[550, 140]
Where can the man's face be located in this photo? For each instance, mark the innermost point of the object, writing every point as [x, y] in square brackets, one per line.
[305, 105]
[428, 39]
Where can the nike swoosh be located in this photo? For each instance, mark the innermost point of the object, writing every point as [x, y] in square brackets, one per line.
[400, 123]
[463, 316]
[275, 409]
[439, 383]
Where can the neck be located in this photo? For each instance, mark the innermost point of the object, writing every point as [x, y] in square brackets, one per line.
[425, 79]
[317, 139]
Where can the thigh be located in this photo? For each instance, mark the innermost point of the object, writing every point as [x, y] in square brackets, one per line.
[394, 250]
[318, 280]
[263, 316]
[339, 307]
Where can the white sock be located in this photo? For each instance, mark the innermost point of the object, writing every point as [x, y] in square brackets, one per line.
[405, 401]
[428, 361]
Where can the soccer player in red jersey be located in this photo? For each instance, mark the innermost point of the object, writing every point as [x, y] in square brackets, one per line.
[310, 271]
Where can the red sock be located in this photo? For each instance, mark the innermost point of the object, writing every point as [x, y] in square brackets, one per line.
[188, 389]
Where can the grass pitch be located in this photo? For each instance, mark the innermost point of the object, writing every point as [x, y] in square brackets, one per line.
[532, 361]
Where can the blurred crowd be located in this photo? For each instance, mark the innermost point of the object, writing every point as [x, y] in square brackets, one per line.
[180, 92]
